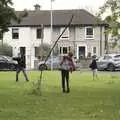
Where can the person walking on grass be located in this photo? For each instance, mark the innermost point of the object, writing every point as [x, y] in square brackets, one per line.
[93, 66]
[20, 66]
[67, 65]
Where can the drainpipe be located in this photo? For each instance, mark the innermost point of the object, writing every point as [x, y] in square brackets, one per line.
[106, 40]
[100, 40]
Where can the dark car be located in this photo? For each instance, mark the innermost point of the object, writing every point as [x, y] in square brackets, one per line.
[7, 63]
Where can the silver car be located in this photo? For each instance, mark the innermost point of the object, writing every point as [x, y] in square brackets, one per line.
[56, 64]
[109, 62]
[46, 66]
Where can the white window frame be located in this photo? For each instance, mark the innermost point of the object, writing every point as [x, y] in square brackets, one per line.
[89, 36]
[86, 49]
[66, 34]
[15, 31]
[61, 49]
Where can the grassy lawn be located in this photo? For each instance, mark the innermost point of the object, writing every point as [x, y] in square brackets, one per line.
[88, 99]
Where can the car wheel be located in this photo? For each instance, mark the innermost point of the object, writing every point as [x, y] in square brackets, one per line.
[111, 67]
[43, 67]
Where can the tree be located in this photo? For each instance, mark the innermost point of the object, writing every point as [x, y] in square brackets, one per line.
[42, 51]
[113, 19]
[7, 13]
[5, 49]
[56, 51]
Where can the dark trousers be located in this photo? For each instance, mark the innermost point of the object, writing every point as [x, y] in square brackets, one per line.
[65, 80]
[24, 73]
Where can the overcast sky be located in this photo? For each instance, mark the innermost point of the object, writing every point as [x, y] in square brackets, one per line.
[91, 5]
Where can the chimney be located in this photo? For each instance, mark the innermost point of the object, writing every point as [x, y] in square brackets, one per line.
[37, 7]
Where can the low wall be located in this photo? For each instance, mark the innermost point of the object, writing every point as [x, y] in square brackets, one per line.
[84, 63]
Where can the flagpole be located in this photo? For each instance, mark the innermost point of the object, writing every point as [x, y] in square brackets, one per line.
[51, 19]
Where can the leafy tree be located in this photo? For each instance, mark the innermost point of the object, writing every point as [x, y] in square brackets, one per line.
[42, 51]
[5, 49]
[113, 6]
[56, 51]
[7, 13]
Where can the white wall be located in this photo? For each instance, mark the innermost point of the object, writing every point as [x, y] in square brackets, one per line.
[47, 35]
[27, 38]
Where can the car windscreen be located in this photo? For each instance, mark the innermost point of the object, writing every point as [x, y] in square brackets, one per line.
[117, 56]
[7, 58]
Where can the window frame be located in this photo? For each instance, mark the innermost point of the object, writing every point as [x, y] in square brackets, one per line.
[65, 50]
[66, 34]
[15, 35]
[38, 36]
[89, 36]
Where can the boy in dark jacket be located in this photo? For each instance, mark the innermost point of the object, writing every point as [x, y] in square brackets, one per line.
[93, 67]
[20, 66]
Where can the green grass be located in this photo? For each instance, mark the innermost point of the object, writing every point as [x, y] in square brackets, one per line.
[88, 99]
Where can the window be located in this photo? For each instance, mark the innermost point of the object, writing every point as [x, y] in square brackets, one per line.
[94, 50]
[117, 56]
[15, 33]
[36, 51]
[60, 50]
[39, 33]
[64, 50]
[89, 32]
[65, 34]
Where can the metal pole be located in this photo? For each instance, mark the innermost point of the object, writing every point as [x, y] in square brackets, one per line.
[51, 19]
[42, 42]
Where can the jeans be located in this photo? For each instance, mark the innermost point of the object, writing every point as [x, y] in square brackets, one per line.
[65, 80]
[19, 69]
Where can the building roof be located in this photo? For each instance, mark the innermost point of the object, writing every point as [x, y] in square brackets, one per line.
[60, 18]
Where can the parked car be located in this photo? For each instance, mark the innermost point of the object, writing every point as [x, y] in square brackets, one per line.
[109, 62]
[46, 66]
[6, 63]
[56, 64]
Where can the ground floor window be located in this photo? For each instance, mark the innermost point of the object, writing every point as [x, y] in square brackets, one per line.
[81, 51]
[65, 50]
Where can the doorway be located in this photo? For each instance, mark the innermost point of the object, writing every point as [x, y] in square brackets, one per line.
[23, 54]
[81, 52]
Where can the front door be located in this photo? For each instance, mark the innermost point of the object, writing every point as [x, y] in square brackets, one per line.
[81, 52]
[23, 54]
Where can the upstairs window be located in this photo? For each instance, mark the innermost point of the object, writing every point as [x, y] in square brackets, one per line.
[15, 33]
[65, 34]
[89, 32]
[38, 33]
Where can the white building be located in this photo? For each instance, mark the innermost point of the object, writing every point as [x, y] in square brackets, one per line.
[85, 36]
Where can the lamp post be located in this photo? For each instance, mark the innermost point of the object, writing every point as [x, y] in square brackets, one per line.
[51, 20]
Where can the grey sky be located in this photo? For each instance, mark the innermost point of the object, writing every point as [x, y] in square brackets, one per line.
[91, 5]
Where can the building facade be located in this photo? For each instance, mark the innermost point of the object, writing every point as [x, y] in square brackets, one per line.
[85, 36]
